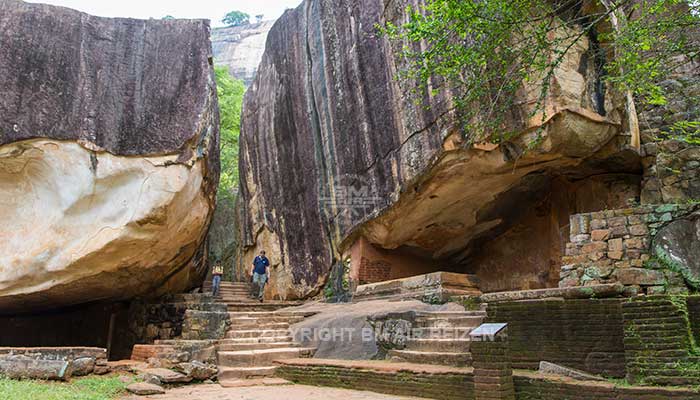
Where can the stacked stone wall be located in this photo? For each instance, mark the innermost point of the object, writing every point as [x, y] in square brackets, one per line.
[583, 334]
[615, 246]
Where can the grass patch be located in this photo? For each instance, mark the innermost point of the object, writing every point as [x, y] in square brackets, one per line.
[89, 388]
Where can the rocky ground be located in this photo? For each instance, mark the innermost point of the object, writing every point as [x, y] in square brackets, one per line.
[289, 392]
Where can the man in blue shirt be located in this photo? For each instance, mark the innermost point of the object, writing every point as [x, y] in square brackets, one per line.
[260, 274]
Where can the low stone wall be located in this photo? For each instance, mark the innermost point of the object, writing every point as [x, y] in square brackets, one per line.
[435, 382]
[658, 341]
[694, 316]
[458, 383]
[532, 386]
[170, 316]
[582, 334]
[615, 246]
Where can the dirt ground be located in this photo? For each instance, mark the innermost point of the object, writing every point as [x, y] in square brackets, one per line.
[286, 392]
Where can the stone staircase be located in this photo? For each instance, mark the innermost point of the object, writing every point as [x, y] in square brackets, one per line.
[258, 335]
[440, 338]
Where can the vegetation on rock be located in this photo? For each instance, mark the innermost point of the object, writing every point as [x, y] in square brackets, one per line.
[484, 51]
[222, 235]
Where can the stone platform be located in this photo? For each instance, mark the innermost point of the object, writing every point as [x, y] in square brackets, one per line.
[436, 287]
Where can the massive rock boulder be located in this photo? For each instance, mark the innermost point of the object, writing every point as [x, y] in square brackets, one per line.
[334, 148]
[108, 156]
[240, 48]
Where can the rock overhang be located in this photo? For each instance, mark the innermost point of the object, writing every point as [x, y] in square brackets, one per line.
[108, 156]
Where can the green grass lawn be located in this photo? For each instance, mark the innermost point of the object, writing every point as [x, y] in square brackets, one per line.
[90, 388]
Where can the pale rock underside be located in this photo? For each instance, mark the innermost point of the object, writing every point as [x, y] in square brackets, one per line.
[85, 225]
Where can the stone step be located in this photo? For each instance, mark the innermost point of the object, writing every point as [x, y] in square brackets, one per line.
[256, 358]
[256, 306]
[256, 346]
[271, 339]
[427, 357]
[450, 314]
[256, 333]
[442, 333]
[227, 373]
[468, 321]
[255, 381]
[242, 326]
[439, 345]
[258, 314]
[238, 321]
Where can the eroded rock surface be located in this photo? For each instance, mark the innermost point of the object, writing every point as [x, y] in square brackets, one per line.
[108, 156]
[333, 147]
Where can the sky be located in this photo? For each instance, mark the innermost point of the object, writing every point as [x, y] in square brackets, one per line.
[209, 9]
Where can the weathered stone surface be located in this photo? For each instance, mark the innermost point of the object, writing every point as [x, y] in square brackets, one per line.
[551, 368]
[197, 370]
[579, 292]
[24, 367]
[144, 389]
[333, 148]
[240, 48]
[679, 244]
[168, 376]
[82, 366]
[347, 331]
[108, 170]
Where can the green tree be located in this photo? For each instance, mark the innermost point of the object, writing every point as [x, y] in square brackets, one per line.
[486, 50]
[230, 93]
[236, 18]
[168, 17]
[222, 234]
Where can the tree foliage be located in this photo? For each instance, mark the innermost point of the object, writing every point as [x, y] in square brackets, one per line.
[484, 51]
[236, 18]
[230, 93]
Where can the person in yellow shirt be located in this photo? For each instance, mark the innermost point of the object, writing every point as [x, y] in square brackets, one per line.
[217, 272]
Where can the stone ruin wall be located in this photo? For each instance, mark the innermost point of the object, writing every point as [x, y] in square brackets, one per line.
[616, 246]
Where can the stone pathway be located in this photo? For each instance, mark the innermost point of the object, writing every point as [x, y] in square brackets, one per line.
[259, 334]
[287, 392]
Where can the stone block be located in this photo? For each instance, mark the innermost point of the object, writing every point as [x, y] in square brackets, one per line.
[615, 245]
[144, 389]
[23, 367]
[580, 224]
[640, 276]
[599, 224]
[636, 243]
[617, 221]
[599, 235]
[639, 230]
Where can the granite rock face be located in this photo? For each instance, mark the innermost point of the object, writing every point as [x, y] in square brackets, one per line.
[240, 48]
[108, 156]
[333, 147]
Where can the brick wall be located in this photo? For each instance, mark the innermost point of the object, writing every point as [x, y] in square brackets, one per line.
[532, 387]
[614, 246]
[373, 271]
[658, 341]
[583, 334]
[441, 386]
[694, 316]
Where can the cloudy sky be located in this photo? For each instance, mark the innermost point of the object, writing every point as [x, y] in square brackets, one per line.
[209, 9]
